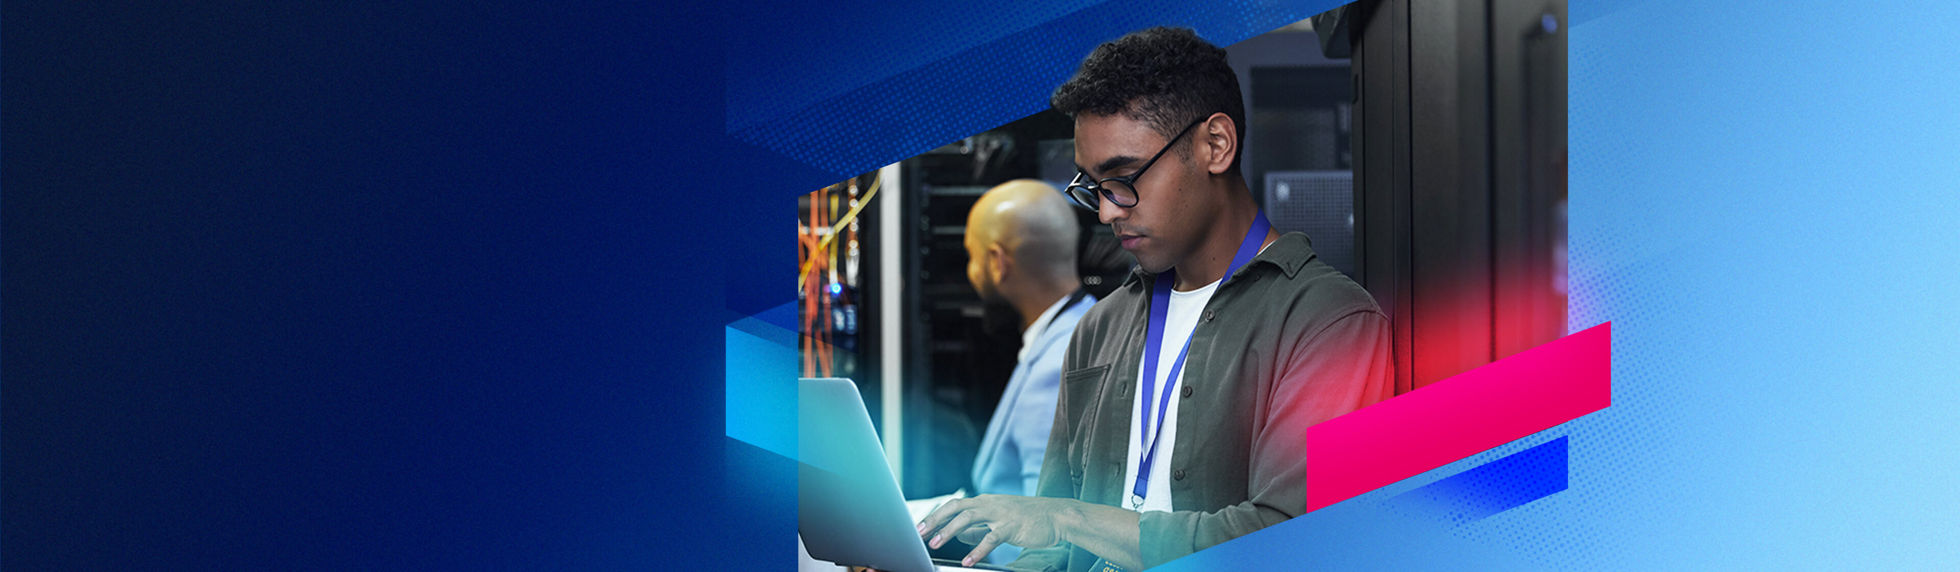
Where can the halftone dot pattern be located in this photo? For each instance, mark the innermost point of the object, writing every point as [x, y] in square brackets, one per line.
[1503, 484]
[1677, 472]
[1599, 442]
[989, 84]
[1612, 263]
[797, 55]
[1612, 450]
[1612, 155]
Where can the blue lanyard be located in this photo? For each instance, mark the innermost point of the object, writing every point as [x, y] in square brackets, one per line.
[1160, 302]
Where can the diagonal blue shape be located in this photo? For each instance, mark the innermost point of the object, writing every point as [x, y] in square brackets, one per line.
[783, 316]
[1353, 535]
[1493, 487]
[985, 85]
[795, 54]
[761, 385]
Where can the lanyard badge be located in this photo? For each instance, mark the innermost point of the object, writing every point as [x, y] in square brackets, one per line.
[1160, 301]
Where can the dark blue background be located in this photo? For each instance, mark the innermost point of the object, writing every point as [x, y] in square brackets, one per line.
[352, 286]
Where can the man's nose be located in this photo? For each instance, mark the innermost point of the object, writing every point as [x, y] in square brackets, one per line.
[1107, 211]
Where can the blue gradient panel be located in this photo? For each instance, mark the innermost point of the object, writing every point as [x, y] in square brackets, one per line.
[1494, 487]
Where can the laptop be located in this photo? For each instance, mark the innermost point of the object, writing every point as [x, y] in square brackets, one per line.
[849, 508]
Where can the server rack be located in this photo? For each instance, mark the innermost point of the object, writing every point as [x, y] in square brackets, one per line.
[1459, 114]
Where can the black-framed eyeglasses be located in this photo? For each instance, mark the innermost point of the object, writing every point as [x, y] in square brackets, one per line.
[1121, 191]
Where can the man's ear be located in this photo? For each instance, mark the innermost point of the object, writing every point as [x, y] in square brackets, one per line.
[1220, 137]
[997, 263]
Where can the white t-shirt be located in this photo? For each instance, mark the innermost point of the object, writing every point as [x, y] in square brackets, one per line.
[1180, 318]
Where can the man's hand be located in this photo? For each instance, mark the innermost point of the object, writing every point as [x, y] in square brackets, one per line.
[987, 521]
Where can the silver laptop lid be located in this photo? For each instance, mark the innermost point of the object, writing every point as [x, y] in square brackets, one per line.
[849, 508]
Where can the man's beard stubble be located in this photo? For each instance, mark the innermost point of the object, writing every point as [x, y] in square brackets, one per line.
[999, 321]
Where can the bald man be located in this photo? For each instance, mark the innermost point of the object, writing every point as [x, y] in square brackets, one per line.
[1021, 250]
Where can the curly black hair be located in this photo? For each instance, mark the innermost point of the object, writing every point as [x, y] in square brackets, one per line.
[1165, 77]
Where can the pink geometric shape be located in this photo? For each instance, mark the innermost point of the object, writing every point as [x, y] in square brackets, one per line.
[1458, 417]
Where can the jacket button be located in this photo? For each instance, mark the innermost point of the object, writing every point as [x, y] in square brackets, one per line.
[1210, 313]
[1187, 391]
[1178, 474]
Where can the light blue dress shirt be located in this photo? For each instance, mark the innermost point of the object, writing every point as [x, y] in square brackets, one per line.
[1010, 456]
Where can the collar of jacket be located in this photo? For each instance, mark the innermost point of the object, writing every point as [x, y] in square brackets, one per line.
[1288, 253]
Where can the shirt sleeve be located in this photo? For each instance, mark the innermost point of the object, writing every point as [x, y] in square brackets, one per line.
[1344, 367]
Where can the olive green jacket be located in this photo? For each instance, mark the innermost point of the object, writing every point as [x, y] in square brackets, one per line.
[1284, 343]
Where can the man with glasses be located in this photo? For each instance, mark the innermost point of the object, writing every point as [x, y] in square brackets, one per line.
[1187, 394]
